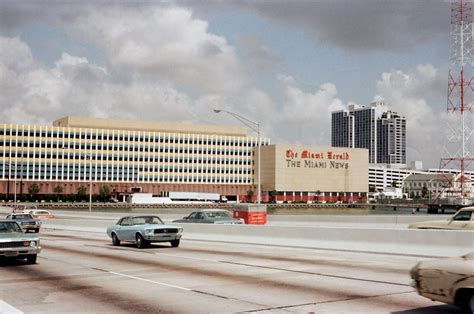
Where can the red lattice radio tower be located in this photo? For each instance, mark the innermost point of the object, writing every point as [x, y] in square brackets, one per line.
[459, 105]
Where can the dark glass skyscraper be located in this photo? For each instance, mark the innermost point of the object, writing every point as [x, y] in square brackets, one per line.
[381, 131]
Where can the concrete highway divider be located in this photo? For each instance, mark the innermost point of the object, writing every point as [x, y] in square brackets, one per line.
[429, 243]
[432, 243]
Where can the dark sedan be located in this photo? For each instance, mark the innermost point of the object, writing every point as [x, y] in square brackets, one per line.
[27, 222]
[213, 216]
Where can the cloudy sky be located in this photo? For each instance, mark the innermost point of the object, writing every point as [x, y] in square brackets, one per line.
[286, 64]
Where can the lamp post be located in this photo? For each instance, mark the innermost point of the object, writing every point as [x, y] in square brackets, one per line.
[254, 126]
[14, 181]
[88, 157]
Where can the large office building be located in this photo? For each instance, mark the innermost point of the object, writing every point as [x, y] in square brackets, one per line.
[155, 157]
[127, 156]
[304, 173]
[373, 127]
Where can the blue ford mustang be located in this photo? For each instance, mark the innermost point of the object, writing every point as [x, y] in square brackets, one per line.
[144, 230]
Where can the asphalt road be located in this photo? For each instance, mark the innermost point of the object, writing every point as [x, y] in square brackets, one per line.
[82, 272]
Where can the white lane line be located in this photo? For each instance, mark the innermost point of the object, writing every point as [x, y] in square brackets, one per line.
[150, 281]
[188, 257]
[6, 308]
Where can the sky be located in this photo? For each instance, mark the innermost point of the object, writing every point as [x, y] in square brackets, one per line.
[284, 64]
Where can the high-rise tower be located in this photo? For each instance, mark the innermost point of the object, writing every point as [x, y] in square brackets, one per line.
[459, 103]
[374, 127]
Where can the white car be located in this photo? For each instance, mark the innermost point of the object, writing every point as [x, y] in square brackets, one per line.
[462, 220]
[448, 280]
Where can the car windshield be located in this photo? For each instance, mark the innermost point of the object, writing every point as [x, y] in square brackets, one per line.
[9, 227]
[463, 216]
[25, 216]
[150, 220]
[219, 214]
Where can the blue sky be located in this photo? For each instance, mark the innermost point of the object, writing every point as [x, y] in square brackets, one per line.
[286, 64]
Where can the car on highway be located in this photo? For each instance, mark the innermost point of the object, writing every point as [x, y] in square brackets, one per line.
[210, 216]
[463, 219]
[27, 222]
[41, 214]
[144, 230]
[14, 243]
[448, 280]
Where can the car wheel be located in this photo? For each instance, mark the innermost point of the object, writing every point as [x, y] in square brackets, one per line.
[31, 259]
[465, 300]
[141, 243]
[175, 243]
[115, 240]
[469, 308]
[37, 230]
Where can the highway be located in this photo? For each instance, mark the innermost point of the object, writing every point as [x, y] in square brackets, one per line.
[80, 271]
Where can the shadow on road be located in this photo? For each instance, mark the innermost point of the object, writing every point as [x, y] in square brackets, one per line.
[10, 262]
[444, 309]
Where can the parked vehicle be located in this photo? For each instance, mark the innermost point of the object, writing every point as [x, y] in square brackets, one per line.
[26, 221]
[41, 214]
[463, 219]
[144, 230]
[210, 216]
[14, 243]
[448, 280]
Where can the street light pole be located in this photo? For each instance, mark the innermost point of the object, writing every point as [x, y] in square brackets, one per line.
[254, 126]
[14, 182]
[90, 182]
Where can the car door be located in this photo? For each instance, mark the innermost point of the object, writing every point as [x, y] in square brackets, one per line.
[460, 220]
[192, 217]
[124, 230]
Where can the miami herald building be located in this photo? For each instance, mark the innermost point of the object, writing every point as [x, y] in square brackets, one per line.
[154, 157]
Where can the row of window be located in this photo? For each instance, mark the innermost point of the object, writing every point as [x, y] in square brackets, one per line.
[100, 148]
[126, 138]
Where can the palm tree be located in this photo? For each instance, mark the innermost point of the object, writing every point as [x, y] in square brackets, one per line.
[81, 192]
[104, 192]
[33, 189]
[318, 192]
[250, 194]
[58, 190]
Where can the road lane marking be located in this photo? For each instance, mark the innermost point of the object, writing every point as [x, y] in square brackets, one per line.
[6, 308]
[188, 257]
[147, 280]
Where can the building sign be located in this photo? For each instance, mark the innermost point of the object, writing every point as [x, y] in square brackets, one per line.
[308, 159]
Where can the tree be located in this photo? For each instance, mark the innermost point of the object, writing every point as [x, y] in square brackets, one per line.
[394, 183]
[104, 193]
[318, 192]
[33, 189]
[250, 194]
[371, 188]
[424, 192]
[273, 195]
[58, 190]
[81, 192]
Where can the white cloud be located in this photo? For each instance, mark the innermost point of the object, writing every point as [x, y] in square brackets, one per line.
[74, 86]
[409, 94]
[166, 44]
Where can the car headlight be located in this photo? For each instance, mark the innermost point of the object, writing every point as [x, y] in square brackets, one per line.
[32, 243]
[180, 230]
[148, 231]
[38, 222]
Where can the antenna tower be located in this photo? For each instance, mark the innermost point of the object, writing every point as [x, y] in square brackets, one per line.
[459, 106]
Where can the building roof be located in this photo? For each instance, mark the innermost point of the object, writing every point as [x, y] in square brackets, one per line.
[152, 126]
[430, 176]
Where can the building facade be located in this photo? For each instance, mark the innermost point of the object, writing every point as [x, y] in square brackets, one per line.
[315, 174]
[126, 156]
[373, 127]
